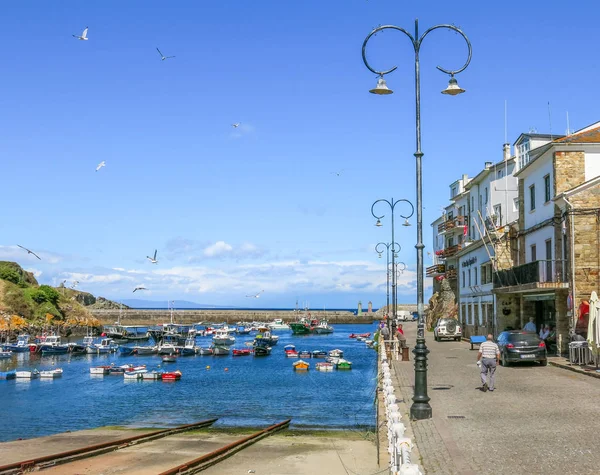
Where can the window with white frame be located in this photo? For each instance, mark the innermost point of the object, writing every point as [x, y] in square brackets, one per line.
[523, 153]
[516, 204]
[497, 217]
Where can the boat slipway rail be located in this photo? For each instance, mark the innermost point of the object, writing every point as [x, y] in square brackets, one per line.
[46, 461]
[216, 456]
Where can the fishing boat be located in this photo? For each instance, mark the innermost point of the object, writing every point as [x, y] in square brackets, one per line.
[134, 374]
[169, 345]
[33, 374]
[287, 348]
[205, 351]
[76, 349]
[261, 347]
[319, 354]
[241, 351]
[8, 374]
[100, 369]
[145, 350]
[171, 376]
[301, 327]
[324, 366]
[169, 359]
[222, 337]
[243, 330]
[278, 324]
[304, 354]
[268, 338]
[343, 364]
[360, 338]
[151, 375]
[4, 354]
[336, 353]
[189, 348]
[333, 359]
[106, 345]
[370, 343]
[120, 370]
[220, 350]
[290, 351]
[126, 350]
[52, 346]
[300, 365]
[322, 328]
[51, 373]
[21, 346]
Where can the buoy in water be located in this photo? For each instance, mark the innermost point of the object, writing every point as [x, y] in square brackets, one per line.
[226, 369]
[208, 367]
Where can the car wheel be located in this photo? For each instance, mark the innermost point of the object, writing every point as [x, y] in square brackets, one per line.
[436, 338]
[544, 362]
[504, 361]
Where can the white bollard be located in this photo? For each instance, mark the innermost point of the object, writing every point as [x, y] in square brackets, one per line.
[390, 399]
[395, 416]
[398, 428]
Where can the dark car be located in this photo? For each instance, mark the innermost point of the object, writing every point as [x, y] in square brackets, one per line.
[518, 346]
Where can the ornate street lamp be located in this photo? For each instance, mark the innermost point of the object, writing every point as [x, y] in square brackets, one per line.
[387, 271]
[421, 408]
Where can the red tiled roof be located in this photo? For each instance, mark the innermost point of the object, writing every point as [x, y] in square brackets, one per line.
[588, 136]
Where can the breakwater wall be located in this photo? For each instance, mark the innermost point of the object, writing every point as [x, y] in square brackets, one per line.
[154, 317]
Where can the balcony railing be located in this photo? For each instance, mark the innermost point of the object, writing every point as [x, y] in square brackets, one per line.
[450, 251]
[544, 271]
[435, 270]
[450, 224]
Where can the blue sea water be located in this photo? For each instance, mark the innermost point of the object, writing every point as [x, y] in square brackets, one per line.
[240, 391]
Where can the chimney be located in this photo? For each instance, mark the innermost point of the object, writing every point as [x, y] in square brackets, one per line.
[488, 165]
[506, 150]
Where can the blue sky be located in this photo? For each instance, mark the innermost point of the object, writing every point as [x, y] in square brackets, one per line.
[236, 211]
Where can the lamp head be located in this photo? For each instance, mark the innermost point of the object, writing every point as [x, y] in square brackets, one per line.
[378, 223]
[381, 89]
[380, 255]
[406, 222]
[453, 88]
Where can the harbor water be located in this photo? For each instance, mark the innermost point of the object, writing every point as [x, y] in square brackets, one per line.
[239, 390]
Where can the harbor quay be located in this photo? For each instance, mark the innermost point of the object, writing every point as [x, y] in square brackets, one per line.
[155, 316]
[538, 420]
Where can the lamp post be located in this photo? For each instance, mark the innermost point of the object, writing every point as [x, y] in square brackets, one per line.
[420, 408]
[397, 270]
[392, 204]
[387, 270]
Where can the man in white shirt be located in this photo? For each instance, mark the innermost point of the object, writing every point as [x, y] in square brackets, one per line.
[544, 332]
[489, 355]
[530, 326]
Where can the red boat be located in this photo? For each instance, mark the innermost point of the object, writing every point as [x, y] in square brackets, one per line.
[362, 335]
[353, 335]
[365, 335]
[171, 376]
[241, 351]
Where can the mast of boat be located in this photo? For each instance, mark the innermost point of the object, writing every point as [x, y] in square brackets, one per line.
[120, 313]
[171, 305]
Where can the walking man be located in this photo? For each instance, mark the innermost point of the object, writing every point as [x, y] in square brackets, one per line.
[488, 358]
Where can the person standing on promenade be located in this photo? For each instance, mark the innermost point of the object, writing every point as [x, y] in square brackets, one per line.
[489, 356]
[530, 326]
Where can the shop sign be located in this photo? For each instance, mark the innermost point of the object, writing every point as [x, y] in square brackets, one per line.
[469, 262]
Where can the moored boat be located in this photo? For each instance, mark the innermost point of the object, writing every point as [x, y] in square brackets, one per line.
[100, 369]
[222, 337]
[343, 364]
[126, 350]
[304, 354]
[290, 351]
[336, 353]
[220, 350]
[169, 358]
[52, 346]
[171, 376]
[134, 374]
[189, 348]
[300, 365]
[204, 351]
[151, 375]
[300, 327]
[8, 374]
[319, 354]
[241, 351]
[145, 350]
[323, 328]
[51, 373]
[21, 346]
[278, 324]
[33, 374]
[324, 366]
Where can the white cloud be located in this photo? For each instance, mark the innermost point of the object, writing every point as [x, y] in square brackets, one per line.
[36, 272]
[218, 249]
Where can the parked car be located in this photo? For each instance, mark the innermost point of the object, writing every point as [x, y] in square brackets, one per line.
[447, 328]
[403, 316]
[518, 346]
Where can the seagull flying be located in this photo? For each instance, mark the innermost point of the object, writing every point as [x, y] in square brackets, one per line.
[30, 251]
[83, 36]
[141, 287]
[236, 125]
[153, 259]
[74, 284]
[162, 56]
[100, 165]
[255, 296]
[338, 173]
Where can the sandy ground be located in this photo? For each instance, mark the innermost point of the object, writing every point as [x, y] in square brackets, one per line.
[286, 452]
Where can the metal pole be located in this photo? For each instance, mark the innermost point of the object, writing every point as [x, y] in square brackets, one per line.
[420, 408]
[393, 276]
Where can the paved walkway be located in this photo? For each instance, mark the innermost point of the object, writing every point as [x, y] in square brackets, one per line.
[542, 420]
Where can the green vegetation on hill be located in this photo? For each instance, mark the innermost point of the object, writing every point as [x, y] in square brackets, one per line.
[39, 305]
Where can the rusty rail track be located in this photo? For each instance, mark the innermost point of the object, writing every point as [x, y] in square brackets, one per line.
[202, 463]
[96, 449]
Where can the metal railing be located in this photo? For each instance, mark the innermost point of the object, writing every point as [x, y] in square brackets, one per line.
[432, 271]
[450, 251]
[452, 223]
[399, 446]
[543, 271]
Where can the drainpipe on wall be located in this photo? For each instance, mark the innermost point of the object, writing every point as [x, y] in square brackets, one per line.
[572, 249]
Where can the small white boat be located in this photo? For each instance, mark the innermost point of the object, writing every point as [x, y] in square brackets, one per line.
[145, 350]
[278, 324]
[222, 337]
[151, 375]
[99, 369]
[336, 353]
[205, 351]
[324, 366]
[135, 374]
[51, 373]
[33, 374]
[106, 345]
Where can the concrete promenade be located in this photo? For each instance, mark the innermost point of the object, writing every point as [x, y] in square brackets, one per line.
[539, 420]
